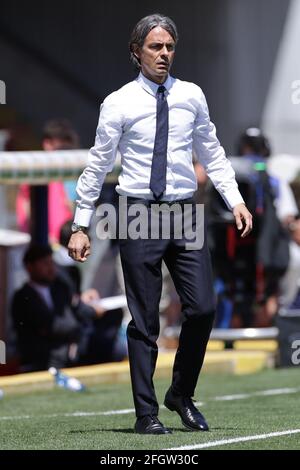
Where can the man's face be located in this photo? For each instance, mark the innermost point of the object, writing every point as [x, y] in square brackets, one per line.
[156, 55]
[55, 144]
[42, 270]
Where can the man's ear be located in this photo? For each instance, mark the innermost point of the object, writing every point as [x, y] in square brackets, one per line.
[136, 51]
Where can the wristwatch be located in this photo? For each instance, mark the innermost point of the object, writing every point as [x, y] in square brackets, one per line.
[78, 228]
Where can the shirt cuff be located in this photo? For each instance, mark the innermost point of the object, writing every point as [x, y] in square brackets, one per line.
[83, 216]
[233, 197]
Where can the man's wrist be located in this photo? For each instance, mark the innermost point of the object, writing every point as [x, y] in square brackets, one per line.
[83, 216]
[79, 228]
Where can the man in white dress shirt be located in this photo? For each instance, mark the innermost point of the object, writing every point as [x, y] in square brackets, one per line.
[155, 122]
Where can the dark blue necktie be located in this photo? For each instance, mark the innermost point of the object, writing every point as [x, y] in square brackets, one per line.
[159, 159]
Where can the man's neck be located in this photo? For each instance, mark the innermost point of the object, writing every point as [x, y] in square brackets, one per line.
[156, 80]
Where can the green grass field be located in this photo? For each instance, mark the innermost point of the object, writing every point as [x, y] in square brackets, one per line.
[234, 406]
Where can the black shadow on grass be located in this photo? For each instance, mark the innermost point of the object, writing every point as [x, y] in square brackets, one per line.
[83, 431]
[125, 430]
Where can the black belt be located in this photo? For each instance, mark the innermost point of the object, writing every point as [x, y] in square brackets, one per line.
[149, 202]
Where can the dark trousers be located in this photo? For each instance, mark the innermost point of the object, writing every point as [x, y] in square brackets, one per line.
[192, 275]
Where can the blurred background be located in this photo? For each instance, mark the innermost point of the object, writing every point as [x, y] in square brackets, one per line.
[58, 61]
[62, 59]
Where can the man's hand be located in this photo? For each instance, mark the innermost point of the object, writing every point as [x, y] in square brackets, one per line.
[242, 218]
[79, 246]
[89, 295]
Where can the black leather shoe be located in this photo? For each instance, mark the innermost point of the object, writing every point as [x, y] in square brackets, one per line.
[150, 425]
[191, 417]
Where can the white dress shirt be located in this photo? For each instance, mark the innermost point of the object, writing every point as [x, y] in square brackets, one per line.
[127, 123]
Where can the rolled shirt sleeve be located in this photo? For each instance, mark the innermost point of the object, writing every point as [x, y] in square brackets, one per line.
[101, 159]
[211, 155]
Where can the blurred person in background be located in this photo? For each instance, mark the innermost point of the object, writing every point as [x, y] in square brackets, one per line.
[48, 330]
[248, 271]
[55, 325]
[104, 341]
[255, 146]
[274, 210]
[289, 298]
[58, 134]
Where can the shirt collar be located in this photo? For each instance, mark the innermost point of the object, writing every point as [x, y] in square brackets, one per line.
[39, 287]
[152, 87]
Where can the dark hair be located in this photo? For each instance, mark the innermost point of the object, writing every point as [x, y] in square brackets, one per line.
[36, 252]
[254, 139]
[143, 28]
[61, 129]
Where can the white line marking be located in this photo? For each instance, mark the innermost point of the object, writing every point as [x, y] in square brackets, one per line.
[271, 392]
[278, 391]
[98, 413]
[239, 396]
[5, 418]
[236, 439]
[261, 393]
